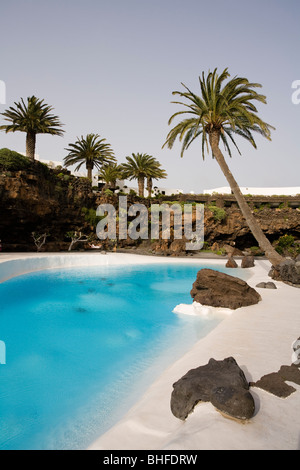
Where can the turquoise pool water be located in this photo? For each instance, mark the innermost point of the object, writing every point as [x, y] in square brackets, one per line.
[82, 344]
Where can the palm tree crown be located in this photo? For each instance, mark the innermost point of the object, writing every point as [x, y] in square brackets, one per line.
[155, 172]
[110, 174]
[139, 166]
[91, 151]
[35, 117]
[223, 110]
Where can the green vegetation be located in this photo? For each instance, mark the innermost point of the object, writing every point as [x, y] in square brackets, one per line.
[208, 249]
[155, 172]
[140, 166]
[90, 216]
[218, 212]
[264, 206]
[284, 205]
[110, 174]
[285, 244]
[221, 111]
[91, 151]
[13, 161]
[108, 192]
[33, 118]
[255, 250]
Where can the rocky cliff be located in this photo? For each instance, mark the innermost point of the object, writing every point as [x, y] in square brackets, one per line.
[41, 200]
[233, 228]
[232, 231]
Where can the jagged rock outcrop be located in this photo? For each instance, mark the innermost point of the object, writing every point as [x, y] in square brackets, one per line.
[35, 201]
[266, 285]
[223, 383]
[218, 289]
[231, 263]
[274, 222]
[288, 271]
[232, 235]
[275, 382]
[247, 262]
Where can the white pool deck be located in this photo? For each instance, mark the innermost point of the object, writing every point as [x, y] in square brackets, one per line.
[260, 339]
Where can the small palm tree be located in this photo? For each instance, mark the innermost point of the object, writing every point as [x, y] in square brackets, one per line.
[137, 167]
[91, 151]
[221, 111]
[33, 118]
[155, 172]
[110, 174]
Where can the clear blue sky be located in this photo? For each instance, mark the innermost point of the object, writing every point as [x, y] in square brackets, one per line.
[110, 66]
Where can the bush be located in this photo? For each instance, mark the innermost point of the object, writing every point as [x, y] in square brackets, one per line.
[13, 161]
[132, 192]
[90, 216]
[218, 212]
[108, 192]
[285, 244]
[255, 250]
[41, 168]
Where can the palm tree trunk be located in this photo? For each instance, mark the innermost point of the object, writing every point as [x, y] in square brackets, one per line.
[149, 186]
[30, 145]
[89, 167]
[141, 185]
[257, 232]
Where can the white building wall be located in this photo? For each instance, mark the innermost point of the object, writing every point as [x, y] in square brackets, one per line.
[284, 191]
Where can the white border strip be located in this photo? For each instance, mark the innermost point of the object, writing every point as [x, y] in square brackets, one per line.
[18, 264]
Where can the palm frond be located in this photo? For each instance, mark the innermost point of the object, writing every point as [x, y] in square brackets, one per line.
[89, 150]
[227, 108]
[34, 116]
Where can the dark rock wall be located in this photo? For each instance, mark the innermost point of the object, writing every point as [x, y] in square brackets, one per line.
[38, 201]
[33, 202]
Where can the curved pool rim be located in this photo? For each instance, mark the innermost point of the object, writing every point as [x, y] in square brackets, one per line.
[12, 265]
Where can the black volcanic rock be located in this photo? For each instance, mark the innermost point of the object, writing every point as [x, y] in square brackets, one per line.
[218, 289]
[222, 383]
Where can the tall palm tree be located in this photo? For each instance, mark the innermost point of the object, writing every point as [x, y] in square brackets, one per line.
[91, 151]
[110, 174]
[33, 118]
[221, 111]
[137, 167]
[155, 172]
